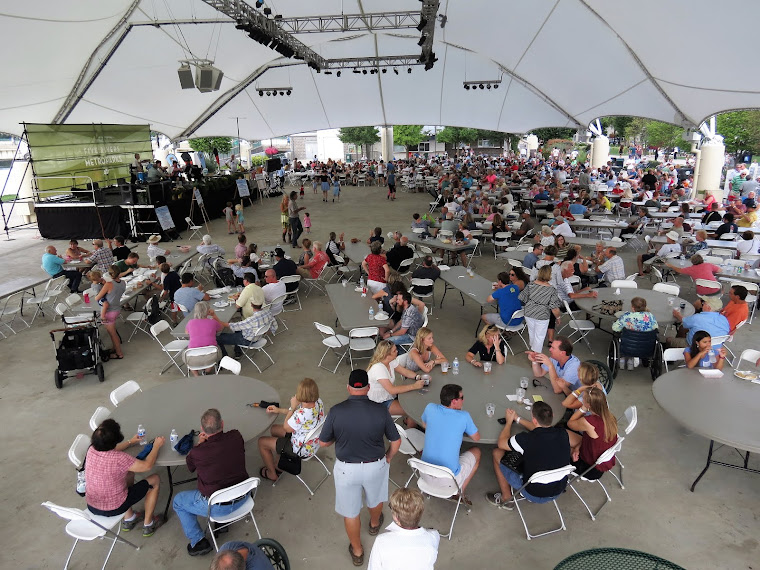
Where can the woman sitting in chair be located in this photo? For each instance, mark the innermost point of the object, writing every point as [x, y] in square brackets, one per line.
[304, 414]
[599, 433]
[637, 319]
[698, 354]
[382, 370]
[588, 374]
[202, 330]
[489, 347]
[424, 354]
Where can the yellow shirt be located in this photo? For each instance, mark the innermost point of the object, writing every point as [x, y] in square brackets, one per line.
[743, 223]
[606, 203]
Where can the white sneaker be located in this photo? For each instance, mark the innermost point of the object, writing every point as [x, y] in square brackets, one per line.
[636, 362]
[631, 363]
[622, 363]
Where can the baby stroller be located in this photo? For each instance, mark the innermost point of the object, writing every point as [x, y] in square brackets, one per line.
[79, 349]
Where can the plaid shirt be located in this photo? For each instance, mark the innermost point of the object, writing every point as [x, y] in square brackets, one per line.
[106, 476]
[103, 258]
[253, 323]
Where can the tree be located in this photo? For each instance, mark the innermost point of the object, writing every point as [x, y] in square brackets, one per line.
[553, 133]
[655, 133]
[408, 135]
[618, 123]
[208, 144]
[360, 136]
[455, 136]
[740, 131]
[492, 136]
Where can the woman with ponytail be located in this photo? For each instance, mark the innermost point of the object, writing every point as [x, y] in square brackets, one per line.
[598, 432]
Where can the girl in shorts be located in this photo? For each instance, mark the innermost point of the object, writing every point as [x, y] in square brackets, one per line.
[111, 294]
[336, 189]
[307, 222]
[228, 216]
[240, 218]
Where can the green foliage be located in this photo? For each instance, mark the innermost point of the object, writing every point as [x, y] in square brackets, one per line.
[553, 133]
[457, 135]
[408, 135]
[207, 145]
[492, 136]
[360, 136]
[619, 123]
[258, 160]
[655, 133]
[740, 130]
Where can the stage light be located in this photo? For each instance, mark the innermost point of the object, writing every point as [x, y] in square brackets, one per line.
[267, 11]
[385, 70]
[482, 86]
[338, 74]
[495, 85]
[274, 93]
[259, 3]
[357, 71]
[268, 93]
[443, 19]
[328, 72]
[364, 71]
[422, 24]
[421, 40]
[489, 86]
[467, 87]
[409, 70]
[289, 92]
[395, 71]
[282, 93]
[261, 93]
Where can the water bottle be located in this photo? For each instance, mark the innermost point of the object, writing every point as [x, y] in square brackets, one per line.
[81, 483]
[747, 267]
[371, 313]
[455, 366]
[141, 434]
[713, 357]
[86, 297]
[173, 438]
[361, 282]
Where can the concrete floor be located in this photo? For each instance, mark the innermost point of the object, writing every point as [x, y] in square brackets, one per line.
[715, 527]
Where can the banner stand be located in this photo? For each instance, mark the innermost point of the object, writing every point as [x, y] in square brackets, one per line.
[199, 199]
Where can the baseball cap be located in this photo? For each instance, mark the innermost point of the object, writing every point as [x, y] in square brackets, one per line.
[278, 252]
[715, 302]
[358, 379]
[672, 235]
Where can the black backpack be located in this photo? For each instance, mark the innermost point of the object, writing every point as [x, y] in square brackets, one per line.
[153, 311]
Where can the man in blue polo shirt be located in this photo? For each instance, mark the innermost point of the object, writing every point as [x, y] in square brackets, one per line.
[561, 366]
[709, 320]
[445, 424]
[577, 208]
[52, 263]
[507, 296]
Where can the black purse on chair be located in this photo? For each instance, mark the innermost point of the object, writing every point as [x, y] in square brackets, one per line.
[289, 462]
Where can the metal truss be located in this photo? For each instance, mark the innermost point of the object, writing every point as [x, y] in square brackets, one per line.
[373, 62]
[350, 22]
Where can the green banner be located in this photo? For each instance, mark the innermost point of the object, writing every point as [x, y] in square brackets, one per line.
[102, 152]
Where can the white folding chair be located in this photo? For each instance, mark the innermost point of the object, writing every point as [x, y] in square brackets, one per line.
[12, 307]
[672, 355]
[276, 307]
[311, 436]
[124, 391]
[624, 284]
[412, 444]
[731, 339]
[423, 284]
[139, 320]
[440, 482]
[44, 298]
[200, 358]
[242, 510]
[519, 314]
[333, 342]
[172, 349]
[750, 355]
[542, 477]
[631, 419]
[83, 525]
[668, 288]
[101, 413]
[258, 346]
[294, 293]
[603, 458]
[582, 327]
[78, 450]
[715, 287]
[362, 339]
[405, 267]
[229, 363]
[196, 230]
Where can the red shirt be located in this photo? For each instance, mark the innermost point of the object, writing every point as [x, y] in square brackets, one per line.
[317, 263]
[592, 448]
[702, 271]
[735, 313]
[375, 267]
[220, 462]
[106, 475]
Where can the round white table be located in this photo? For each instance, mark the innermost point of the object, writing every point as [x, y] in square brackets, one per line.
[657, 303]
[179, 405]
[479, 389]
[724, 410]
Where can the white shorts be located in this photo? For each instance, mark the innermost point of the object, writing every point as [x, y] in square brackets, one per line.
[467, 463]
[375, 286]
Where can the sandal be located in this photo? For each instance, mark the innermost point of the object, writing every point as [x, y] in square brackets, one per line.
[115, 357]
[262, 473]
[373, 530]
[357, 560]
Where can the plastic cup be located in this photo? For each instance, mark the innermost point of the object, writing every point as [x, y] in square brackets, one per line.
[444, 367]
[520, 393]
[524, 382]
[345, 283]
[490, 409]
[426, 379]
[487, 367]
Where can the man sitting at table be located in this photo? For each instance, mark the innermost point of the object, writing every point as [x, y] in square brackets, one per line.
[561, 366]
[526, 226]
[128, 266]
[188, 295]
[678, 227]
[243, 299]
[208, 247]
[728, 226]
[530, 259]
[749, 218]
[219, 459]
[542, 447]
[52, 263]
[404, 331]
[121, 251]
[101, 256]
[577, 208]
[421, 223]
[505, 295]
[713, 215]
[244, 332]
[709, 320]
[634, 222]
[699, 269]
[399, 252]
[445, 424]
[560, 227]
[273, 287]
[612, 269]
[671, 246]
[737, 309]
[427, 270]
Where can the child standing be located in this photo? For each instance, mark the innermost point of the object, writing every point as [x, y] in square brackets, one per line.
[240, 218]
[336, 188]
[307, 223]
[301, 192]
[228, 215]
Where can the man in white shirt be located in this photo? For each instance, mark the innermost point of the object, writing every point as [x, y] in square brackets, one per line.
[273, 287]
[562, 228]
[671, 247]
[207, 247]
[405, 544]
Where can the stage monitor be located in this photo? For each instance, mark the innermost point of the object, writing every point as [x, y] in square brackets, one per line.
[274, 164]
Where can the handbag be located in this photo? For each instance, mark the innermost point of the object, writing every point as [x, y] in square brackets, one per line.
[513, 460]
[185, 444]
[289, 461]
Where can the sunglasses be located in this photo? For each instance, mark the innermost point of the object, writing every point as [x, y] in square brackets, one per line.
[537, 383]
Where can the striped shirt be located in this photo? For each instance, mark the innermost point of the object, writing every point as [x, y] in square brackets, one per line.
[613, 269]
[539, 300]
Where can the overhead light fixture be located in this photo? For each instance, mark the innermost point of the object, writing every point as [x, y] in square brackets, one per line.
[259, 3]
[357, 71]
[289, 91]
[261, 93]
[443, 18]
[482, 86]
[422, 24]
[328, 72]
[282, 93]
[421, 40]
[274, 93]
[267, 11]
[268, 93]
[467, 87]
[395, 71]
[338, 74]
[408, 69]
[385, 70]
[489, 86]
[364, 71]
[495, 85]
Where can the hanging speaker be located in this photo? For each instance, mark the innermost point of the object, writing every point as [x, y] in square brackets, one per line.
[186, 77]
[208, 78]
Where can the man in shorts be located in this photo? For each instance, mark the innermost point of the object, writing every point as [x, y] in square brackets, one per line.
[357, 426]
[445, 424]
[505, 295]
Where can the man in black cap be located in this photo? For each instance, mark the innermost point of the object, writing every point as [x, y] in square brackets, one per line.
[357, 427]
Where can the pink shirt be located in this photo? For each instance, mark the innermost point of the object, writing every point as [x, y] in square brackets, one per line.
[106, 475]
[702, 271]
[202, 332]
[241, 250]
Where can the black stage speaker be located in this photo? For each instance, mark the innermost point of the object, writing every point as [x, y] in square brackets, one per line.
[208, 78]
[127, 194]
[273, 164]
[186, 77]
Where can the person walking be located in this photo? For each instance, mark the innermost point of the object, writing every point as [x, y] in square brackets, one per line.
[293, 219]
[357, 426]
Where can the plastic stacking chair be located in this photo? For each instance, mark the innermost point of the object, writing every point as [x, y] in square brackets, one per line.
[440, 482]
[312, 435]
[582, 327]
[258, 346]
[11, 307]
[519, 314]
[334, 342]
[229, 363]
[423, 284]
[201, 358]
[243, 510]
[551, 476]
[173, 349]
[78, 450]
[412, 444]
[631, 418]
[603, 458]
[362, 339]
[124, 391]
[98, 416]
[83, 525]
[294, 293]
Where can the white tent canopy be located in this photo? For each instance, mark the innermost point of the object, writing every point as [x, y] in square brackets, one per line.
[562, 63]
